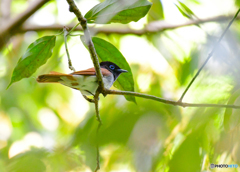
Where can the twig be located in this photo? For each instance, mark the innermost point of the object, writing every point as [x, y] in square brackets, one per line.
[96, 99]
[98, 159]
[171, 102]
[66, 48]
[209, 56]
[97, 146]
[88, 99]
[73, 8]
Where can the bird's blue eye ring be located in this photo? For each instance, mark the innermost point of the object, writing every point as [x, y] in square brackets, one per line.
[112, 67]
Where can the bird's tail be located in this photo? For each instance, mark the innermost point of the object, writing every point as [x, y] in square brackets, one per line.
[52, 77]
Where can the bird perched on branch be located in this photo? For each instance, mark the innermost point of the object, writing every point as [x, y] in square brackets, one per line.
[85, 80]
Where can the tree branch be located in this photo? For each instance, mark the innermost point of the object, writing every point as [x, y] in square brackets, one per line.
[209, 56]
[10, 28]
[96, 99]
[171, 102]
[73, 8]
[152, 27]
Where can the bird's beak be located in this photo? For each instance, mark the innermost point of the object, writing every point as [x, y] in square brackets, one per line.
[122, 70]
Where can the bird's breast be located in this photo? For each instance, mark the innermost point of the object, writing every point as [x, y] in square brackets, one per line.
[86, 84]
[108, 81]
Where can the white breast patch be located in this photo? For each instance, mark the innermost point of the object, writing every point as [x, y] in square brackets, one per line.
[86, 84]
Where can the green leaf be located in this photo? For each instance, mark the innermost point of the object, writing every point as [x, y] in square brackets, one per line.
[118, 11]
[187, 12]
[237, 3]
[186, 9]
[156, 11]
[108, 52]
[36, 55]
[182, 12]
[188, 151]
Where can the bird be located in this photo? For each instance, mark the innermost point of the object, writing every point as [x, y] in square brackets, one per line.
[85, 80]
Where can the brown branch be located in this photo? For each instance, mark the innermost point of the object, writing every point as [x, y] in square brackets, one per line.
[96, 99]
[73, 8]
[13, 25]
[98, 160]
[171, 102]
[209, 56]
[152, 27]
[88, 99]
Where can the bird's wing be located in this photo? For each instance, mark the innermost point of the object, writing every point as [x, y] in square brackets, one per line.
[91, 71]
[56, 73]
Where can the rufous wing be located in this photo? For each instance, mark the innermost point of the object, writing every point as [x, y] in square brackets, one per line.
[91, 71]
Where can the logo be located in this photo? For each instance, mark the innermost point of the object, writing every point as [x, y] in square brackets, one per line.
[212, 166]
[223, 166]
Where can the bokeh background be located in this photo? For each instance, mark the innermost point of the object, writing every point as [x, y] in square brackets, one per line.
[49, 127]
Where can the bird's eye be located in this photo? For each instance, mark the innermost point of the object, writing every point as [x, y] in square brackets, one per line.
[112, 67]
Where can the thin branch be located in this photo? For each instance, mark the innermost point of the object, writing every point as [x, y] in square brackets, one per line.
[13, 25]
[96, 99]
[73, 8]
[88, 99]
[98, 159]
[166, 101]
[66, 48]
[209, 56]
[152, 27]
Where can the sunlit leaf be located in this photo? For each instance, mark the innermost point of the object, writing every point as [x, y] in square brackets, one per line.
[186, 8]
[156, 11]
[188, 151]
[36, 55]
[28, 161]
[237, 2]
[118, 11]
[182, 12]
[108, 52]
[186, 12]
[187, 68]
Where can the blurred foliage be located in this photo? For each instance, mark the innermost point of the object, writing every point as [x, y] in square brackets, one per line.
[51, 128]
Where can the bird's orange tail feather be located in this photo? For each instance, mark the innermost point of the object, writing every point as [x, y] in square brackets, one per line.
[52, 77]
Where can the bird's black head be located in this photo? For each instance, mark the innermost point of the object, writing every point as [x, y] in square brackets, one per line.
[113, 68]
